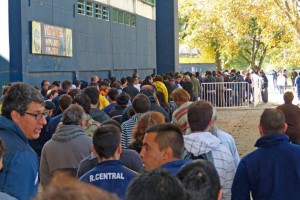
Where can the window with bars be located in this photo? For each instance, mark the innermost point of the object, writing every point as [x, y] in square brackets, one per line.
[89, 9]
[115, 14]
[132, 20]
[127, 18]
[98, 11]
[105, 13]
[121, 17]
[81, 7]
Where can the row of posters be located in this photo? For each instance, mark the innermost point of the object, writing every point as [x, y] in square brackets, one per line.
[51, 40]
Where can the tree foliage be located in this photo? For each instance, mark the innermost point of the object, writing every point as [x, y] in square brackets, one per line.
[252, 30]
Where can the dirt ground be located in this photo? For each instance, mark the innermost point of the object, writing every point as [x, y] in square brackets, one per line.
[242, 124]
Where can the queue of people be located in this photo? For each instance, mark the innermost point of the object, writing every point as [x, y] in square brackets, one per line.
[118, 140]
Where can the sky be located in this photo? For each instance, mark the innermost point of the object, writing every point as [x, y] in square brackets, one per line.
[4, 36]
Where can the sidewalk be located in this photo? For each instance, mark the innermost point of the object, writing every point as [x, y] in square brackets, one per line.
[242, 123]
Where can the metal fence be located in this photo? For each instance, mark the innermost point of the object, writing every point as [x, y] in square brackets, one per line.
[227, 94]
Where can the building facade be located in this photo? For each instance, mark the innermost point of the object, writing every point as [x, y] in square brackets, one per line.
[108, 38]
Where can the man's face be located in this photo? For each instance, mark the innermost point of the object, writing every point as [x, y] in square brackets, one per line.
[151, 155]
[31, 125]
[136, 81]
[46, 85]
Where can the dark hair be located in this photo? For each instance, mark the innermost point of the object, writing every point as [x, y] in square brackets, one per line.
[200, 179]
[288, 97]
[65, 101]
[112, 122]
[72, 115]
[199, 115]
[130, 80]
[272, 121]
[74, 92]
[147, 81]
[123, 99]
[123, 80]
[57, 83]
[18, 98]
[116, 85]
[66, 85]
[106, 140]
[141, 103]
[93, 94]
[94, 78]
[158, 78]
[43, 82]
[168, 135]
[162, 100]
[112, 79]
[158, 184]
[112, 94]
[93, 85]
[84, 101]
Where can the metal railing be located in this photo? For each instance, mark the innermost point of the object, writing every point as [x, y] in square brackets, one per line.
[227, 94]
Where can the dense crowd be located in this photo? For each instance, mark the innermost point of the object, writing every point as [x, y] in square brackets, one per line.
[141, 139]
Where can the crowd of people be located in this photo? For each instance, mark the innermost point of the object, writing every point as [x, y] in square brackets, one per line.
[131, 139]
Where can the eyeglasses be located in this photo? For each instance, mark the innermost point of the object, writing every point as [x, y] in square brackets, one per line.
[38, 116]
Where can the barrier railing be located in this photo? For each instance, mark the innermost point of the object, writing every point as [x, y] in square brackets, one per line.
[227, 94]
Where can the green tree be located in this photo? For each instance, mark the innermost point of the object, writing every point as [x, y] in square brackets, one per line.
[247, 29]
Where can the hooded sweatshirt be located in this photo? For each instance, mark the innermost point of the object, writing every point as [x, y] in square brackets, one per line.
[19, 176]
[68, 146]
[205, 143]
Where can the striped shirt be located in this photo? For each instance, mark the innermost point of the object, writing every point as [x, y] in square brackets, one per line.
[180, 119]
[203, 143]
[127, 128]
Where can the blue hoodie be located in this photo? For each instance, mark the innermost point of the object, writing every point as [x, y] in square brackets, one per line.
[270, 172]
[175, 165]
[19, 177]
[110, 175]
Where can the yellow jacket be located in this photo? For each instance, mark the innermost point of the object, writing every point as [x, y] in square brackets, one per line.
[160, 87]
[103, 102]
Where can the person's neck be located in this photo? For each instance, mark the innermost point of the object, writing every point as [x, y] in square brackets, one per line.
[107, 159]
[94, 105]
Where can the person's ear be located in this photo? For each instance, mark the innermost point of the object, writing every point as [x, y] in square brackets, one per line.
[167, 153]
[15, 116]
[119, 150]
[285, 127]
[94, 150]
[260, 129]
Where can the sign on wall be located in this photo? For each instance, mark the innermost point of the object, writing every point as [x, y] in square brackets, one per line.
[51, 40]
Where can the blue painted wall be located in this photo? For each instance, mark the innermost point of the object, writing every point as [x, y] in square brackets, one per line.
[167, 35]
[100, 47]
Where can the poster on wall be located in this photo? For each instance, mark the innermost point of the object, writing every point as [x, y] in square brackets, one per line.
[36, 38]
[51, 40]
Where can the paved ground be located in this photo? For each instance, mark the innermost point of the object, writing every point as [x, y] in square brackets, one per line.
[242, 124]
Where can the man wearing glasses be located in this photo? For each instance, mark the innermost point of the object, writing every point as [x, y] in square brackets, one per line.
[23, 117]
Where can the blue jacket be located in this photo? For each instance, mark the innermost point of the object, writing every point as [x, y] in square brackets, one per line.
[110, 175]
[174, 166]
[19, 177]
[270, 172]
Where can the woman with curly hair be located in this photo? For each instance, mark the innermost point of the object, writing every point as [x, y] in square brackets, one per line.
[146, 120]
